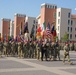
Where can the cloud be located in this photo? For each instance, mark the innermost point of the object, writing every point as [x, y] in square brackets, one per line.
[75, 8]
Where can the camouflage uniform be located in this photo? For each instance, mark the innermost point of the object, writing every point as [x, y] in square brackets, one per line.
[38, 48]
[16, 48]
[1, 48]
[66, 53]
[5, 48]
[13, 48]
[34, 47]
[19, 50]
[25, 50]
[57, 50]
[43, 51]
[53, 51]
[31, 50]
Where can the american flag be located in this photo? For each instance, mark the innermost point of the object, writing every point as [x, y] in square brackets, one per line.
[48, 32]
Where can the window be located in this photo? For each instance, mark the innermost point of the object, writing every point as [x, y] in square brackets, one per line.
[58, 21]
[55, 7]
[75, 29]
[70, 36]
[50, 6]
[59, 14]
[24, 21]
[47, 6]
[55, 15]
[75, 35]
[71, 22]
[71, 29]
[68, 15]
[68, 29]
[68, 22]
[58, 28]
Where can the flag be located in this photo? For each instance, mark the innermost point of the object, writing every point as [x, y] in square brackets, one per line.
[48, 25]
[48, 32]
[44, 25]
[53, 31]
[38, 34]
[26, 27]
[52, 28]
[21, 30]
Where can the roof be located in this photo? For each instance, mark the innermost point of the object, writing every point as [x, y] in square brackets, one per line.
[38, 16]
[73, 16]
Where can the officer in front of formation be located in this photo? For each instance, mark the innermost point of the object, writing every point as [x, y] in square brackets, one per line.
[66, 53]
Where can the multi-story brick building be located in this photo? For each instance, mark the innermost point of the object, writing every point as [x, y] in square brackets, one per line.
[5, 27]
[47, 13]
[19, 22]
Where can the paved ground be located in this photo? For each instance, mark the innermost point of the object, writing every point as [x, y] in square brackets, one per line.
[16, 66]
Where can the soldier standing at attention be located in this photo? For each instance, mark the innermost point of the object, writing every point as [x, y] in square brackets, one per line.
[66, 53]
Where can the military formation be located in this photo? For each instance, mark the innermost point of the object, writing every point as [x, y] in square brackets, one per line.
[41, 49]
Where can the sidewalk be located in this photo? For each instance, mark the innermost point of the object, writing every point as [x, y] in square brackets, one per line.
[15, 66]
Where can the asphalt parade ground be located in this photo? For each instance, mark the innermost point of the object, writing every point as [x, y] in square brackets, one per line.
[27, 66]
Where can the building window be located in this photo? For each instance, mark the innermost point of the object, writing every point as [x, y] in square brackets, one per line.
[59, 14]
[47, 6]
[75, 35]
[68, 15]
[55, 15]
[71, 29]
[75, 29]
[68, 22]
[68, 29]
[50, 6]
[70, 36]
[53, 7]
[24, 21]
[71, 22]
[58, 28]
[58, 21]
